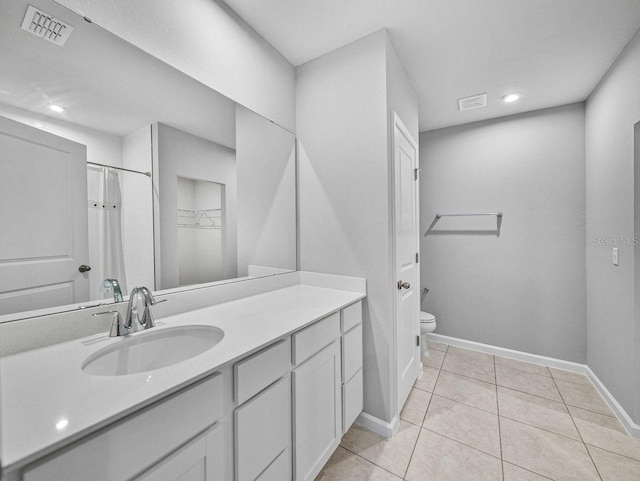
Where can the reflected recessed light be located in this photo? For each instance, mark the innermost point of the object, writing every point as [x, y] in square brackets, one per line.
[63, 423]
[511, 97]
[56, 108]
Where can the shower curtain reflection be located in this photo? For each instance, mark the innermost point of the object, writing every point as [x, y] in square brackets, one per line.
[106, 253]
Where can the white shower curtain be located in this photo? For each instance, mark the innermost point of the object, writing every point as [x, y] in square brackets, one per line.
[105, 230]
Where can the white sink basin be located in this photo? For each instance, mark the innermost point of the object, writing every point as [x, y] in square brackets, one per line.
[147, 351]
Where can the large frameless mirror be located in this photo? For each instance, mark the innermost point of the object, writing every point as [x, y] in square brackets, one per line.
[117, 170]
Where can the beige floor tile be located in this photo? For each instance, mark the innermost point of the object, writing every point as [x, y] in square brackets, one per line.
[428, 380]
[468, 391]
[466, 366]
[583, 396]
[527, 382]
[551, 455]
[392, 454]
[468, 425]
[438, 346]
[613, 467]
[542, 413]
[475, 355]
[515, 473]
[344, 465]
[605, 432]
[568, 376]
[416, 406]
[434, 359]
[437, 458]
[523, 366]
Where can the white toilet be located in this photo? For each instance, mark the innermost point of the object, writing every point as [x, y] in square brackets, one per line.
[427, 325]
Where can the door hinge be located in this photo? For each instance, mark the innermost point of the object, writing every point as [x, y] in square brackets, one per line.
[415, 174]
[417, 340]
[417, 257]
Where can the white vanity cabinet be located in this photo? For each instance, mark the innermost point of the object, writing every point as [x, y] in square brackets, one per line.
[262, 421]
[352, 358]
[327, 387]
[130, 446]
[275, 415]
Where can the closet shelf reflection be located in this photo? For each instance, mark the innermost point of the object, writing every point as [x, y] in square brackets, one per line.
[201, 218]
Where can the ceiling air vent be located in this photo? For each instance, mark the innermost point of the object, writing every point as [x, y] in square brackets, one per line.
[46, 26]
[474, 102]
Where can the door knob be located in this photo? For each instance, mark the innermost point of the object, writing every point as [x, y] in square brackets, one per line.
[84, 268]
[403, 285]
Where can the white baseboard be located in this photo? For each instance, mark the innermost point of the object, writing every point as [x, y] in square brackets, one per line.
[632, 428]
[377, 425]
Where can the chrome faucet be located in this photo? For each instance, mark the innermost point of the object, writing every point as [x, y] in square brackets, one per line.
[113, 285]
[133, 322]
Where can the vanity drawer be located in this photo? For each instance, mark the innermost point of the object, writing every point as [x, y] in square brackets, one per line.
[351, 316]
[351, 352]
[254, 374]
[262, 430]
[148, 436]
[352, 400]
[316, 337]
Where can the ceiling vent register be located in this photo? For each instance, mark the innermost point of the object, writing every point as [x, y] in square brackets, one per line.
[46, 26]
[474, 102]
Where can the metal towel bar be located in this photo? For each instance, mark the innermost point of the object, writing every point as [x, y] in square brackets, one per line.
[438, 215]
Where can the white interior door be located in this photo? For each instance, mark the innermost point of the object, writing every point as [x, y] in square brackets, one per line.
[406, 259]
[43, 219]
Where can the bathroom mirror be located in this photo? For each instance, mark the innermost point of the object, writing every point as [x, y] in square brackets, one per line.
[115, 165]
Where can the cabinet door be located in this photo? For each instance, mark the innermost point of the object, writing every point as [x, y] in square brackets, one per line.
[317, 386]
[262, 430]
[194, 462]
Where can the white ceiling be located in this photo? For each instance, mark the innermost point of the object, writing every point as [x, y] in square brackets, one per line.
[104, 82]
[552, 51]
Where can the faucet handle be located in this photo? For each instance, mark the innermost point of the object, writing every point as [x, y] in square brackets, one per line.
[117, 326]
[149, 300]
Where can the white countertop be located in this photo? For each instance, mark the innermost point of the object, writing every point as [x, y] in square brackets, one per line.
[43, 388]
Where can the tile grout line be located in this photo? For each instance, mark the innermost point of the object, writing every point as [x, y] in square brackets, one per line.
[495, 375]
[370, 462]
[579, 433]
[613, 452]
[406, 471]
[460, 442]
[529, 471]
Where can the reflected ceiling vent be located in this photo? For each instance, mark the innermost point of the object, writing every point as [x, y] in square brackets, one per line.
[475, 102]
[45, 26]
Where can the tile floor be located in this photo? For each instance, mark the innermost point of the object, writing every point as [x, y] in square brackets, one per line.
[477, 417]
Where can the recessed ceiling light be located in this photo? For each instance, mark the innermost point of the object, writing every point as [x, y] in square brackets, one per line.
[56, 108]
[511, 97]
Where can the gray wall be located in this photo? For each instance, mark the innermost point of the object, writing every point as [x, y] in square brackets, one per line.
[611, 112]
[266, 167]
[181, 154]
[523, 289]
[343, 104]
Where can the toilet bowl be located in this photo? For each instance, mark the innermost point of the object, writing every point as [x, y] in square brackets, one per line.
[427, 325]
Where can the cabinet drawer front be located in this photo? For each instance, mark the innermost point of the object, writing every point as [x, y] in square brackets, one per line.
[280, 469]
[351, 352]
[263, 430]
[316, 337]
[352, 400]
[351, 316]
[151, 434]
[262, 369]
